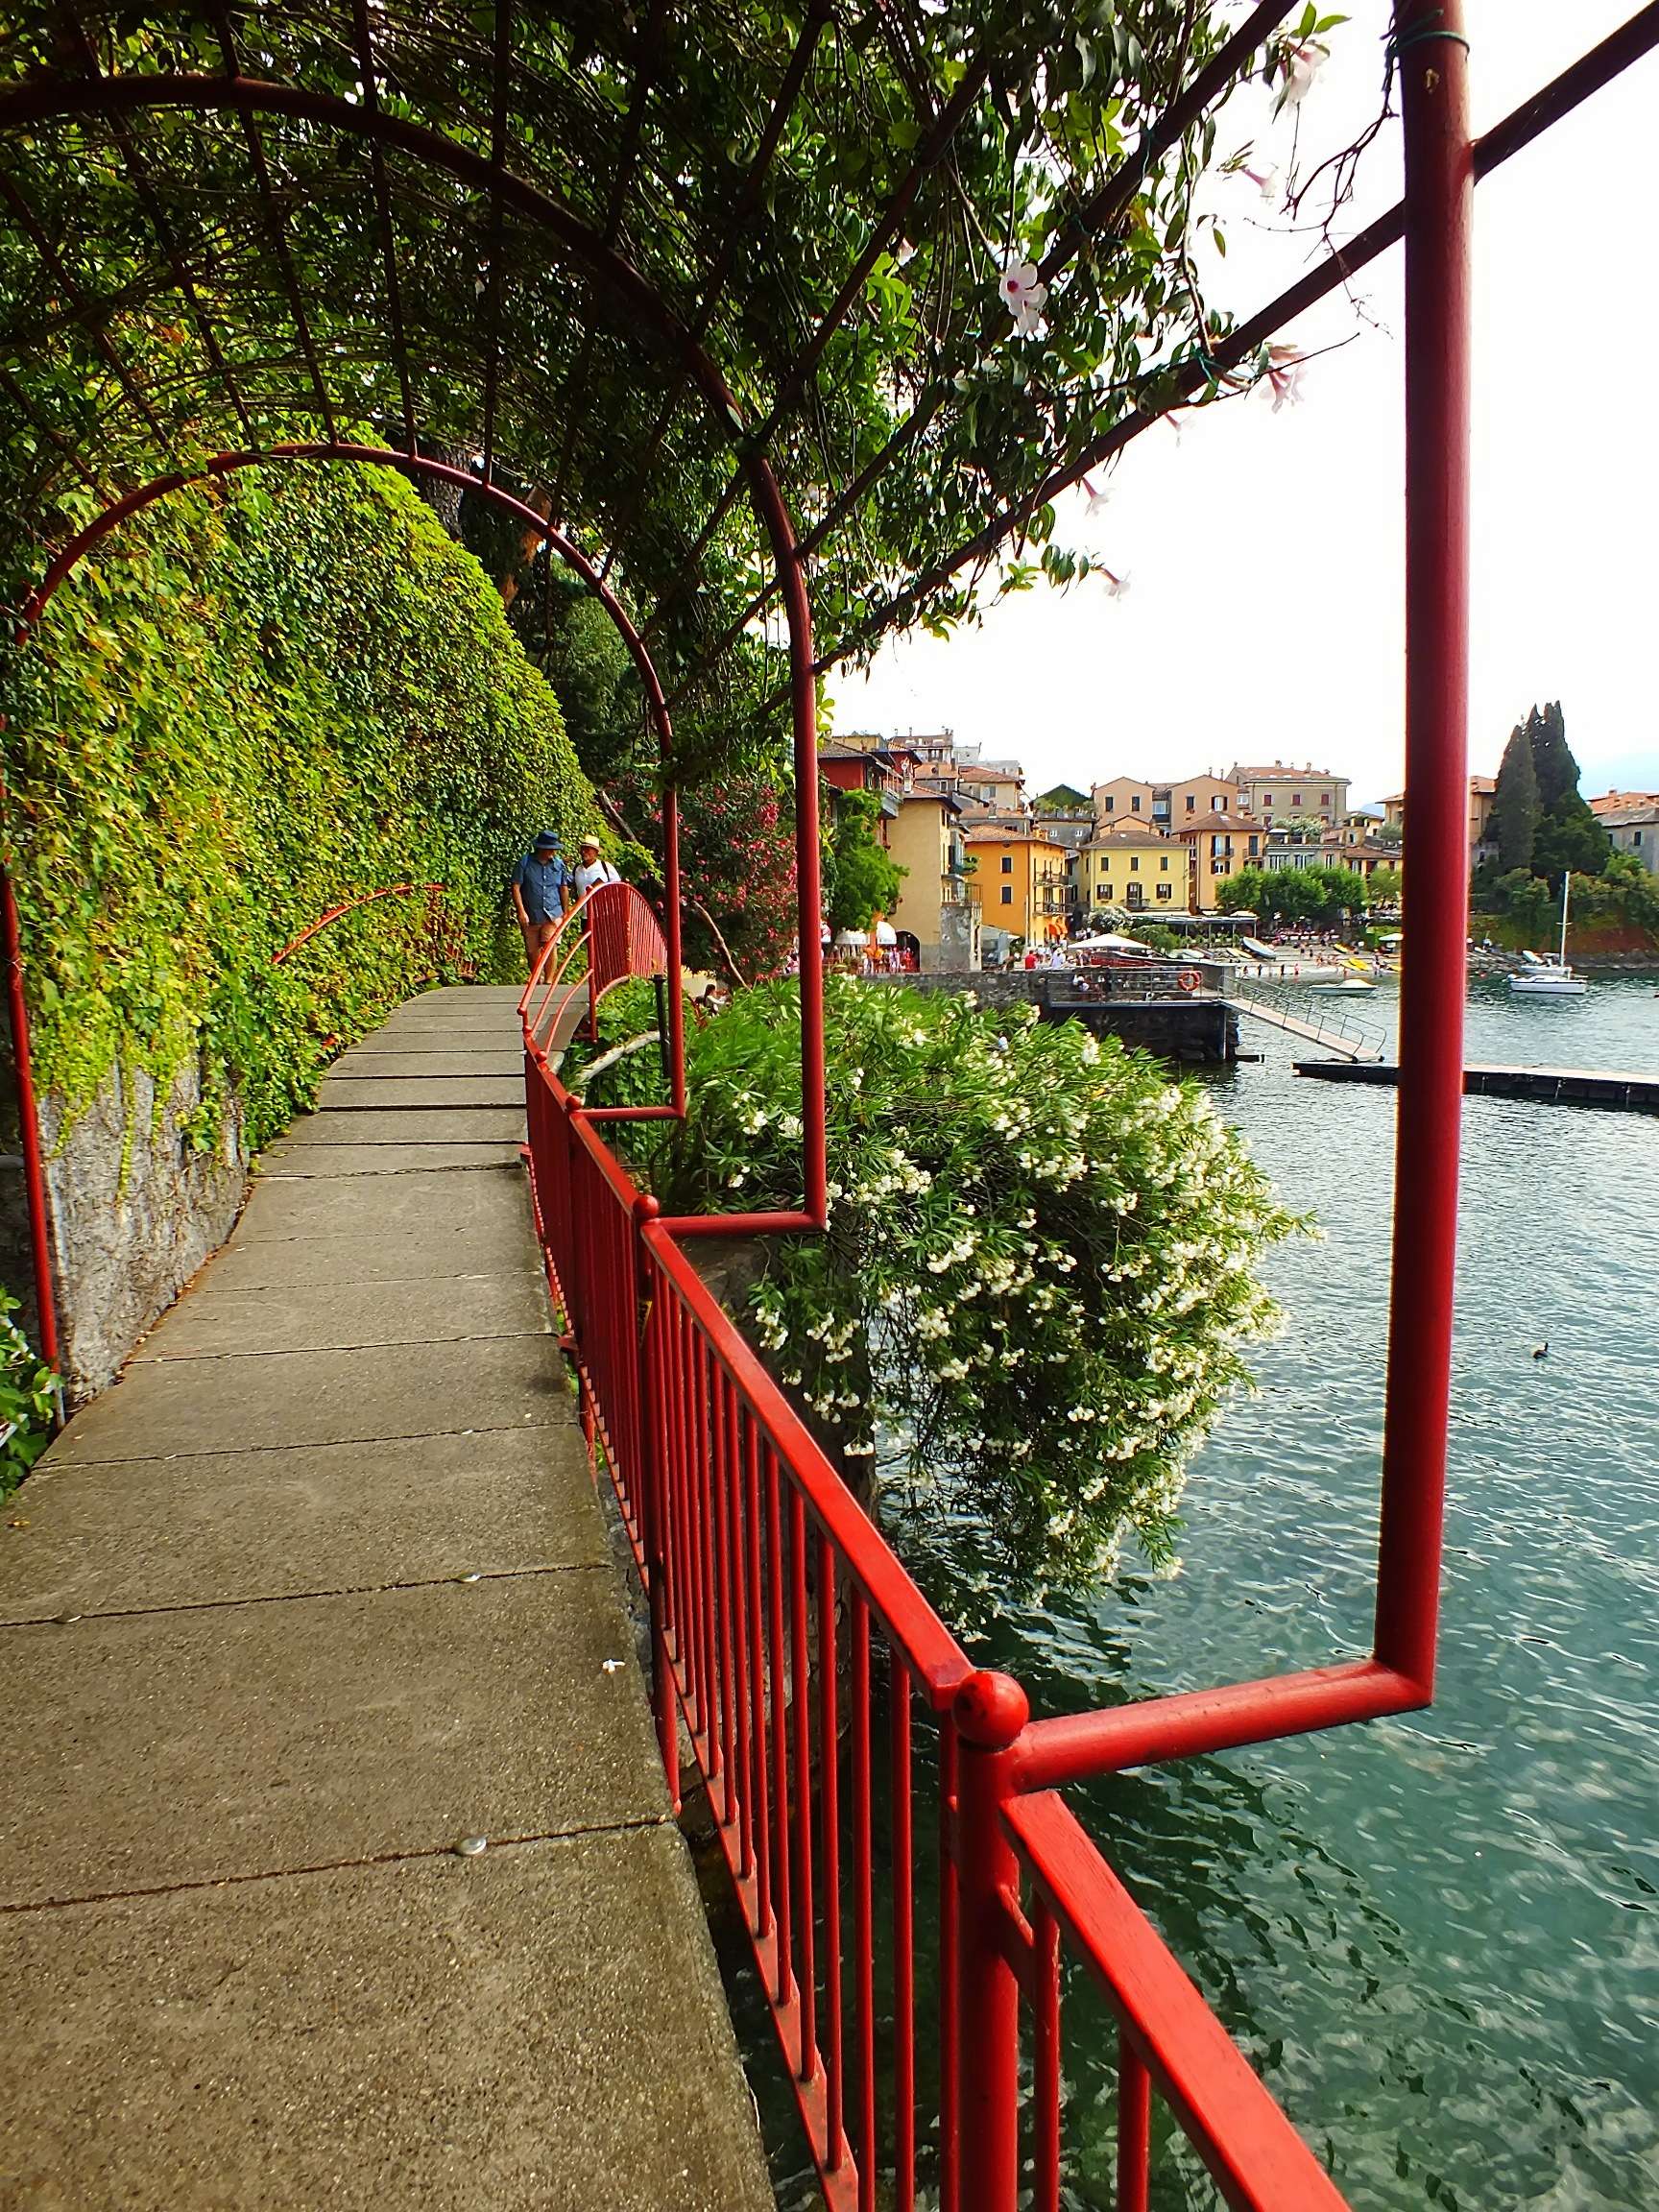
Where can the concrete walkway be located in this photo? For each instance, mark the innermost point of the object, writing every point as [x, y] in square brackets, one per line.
[318, 1589]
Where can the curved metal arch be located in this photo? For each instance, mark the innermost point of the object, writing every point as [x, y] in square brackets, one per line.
[59, 99]
[808, 901]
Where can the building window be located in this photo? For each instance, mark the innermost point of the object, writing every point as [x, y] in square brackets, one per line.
[1163, 890]
[1324, 798]
[1007, 863]
[1007, 894]
[1217, 804]
[1111, 803]
[1295, 798]
[1135, 803]
[1163, 863]
[1253, 848]
[1192, 802]
[1135, 864]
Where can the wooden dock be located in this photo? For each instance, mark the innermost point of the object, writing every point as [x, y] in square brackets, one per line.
[1553, 1086]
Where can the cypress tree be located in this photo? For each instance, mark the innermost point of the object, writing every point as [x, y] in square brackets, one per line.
[1515, 802]
[1552, 762]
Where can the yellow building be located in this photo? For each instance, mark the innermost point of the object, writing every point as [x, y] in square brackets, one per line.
[1136, 867]
[933, 906]
[1221, 846]
[1166, 805]
[1018, 880]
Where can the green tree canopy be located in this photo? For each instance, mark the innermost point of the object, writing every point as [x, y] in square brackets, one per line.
[1515, 803]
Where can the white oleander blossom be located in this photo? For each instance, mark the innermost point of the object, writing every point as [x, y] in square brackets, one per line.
[1038, 1284]
[1024, 293]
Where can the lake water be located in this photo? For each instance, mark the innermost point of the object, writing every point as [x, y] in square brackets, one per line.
[1437, 1937]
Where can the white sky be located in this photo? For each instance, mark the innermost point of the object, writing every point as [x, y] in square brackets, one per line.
[1265, 617]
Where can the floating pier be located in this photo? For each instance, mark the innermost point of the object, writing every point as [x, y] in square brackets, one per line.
[1554, 1086]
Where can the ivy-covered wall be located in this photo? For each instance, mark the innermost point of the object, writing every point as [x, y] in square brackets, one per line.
[257, 700]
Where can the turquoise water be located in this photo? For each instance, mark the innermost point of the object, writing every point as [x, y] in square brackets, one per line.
[1438, 1936]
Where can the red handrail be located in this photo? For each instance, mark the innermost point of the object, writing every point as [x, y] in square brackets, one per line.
[349, 906]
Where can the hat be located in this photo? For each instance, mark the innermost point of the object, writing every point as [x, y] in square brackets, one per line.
[546, 841]
[589, 839]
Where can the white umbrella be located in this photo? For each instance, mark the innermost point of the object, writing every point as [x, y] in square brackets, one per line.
[885, 933]
[852, 937]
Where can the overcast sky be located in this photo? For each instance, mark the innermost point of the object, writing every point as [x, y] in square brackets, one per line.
[1264, 550]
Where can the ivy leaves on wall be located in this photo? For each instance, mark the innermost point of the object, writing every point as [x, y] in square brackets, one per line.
[256, 700]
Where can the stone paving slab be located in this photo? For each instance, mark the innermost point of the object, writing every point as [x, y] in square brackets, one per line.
[284, 1161]
[374, 1058]
[260, 1739]
[343, 1093]
[165, 1405]
[348, 1315]
[393, 1255]
[530, 2032]
[253, 1525]
[487, 1201]
[465, 1121]
[464, 997]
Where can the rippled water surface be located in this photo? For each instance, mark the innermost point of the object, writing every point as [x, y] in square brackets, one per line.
[1439, 1937]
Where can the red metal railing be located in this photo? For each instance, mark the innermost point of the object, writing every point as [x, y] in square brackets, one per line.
[864, 1779]
[434, 900]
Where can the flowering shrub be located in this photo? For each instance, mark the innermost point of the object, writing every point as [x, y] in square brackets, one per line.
[1041, 1249]
[26, 1386]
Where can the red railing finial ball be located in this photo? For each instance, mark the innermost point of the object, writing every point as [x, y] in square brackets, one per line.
[990, 1709]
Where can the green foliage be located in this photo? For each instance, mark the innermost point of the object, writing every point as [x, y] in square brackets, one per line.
[25, 1401]
[860, 878]
[1384, 887]
[1045, 1247]
[666, 109]
[254, 703]
[1515, 802]
[1321, 896]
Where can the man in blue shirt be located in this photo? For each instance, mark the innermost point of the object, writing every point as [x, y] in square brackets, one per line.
[540, 893]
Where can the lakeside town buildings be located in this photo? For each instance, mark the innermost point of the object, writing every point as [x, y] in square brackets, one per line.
[989, 869]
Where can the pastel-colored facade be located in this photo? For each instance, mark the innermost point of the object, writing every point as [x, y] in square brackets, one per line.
[995, 783]
[1136, 867]
[1622, 802]
[1283, 793]
[1482, 796]
[1019, 878]
[933, 906]
[1167, 806]
[1219, 846]
[1635, 830]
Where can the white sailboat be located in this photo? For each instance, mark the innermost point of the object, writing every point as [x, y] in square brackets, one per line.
[1551, 978]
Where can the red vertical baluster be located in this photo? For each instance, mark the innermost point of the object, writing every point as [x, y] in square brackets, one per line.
[904, 1938]
[705, 1535]
[683, 1604]
[744, 1654]
[1134, 2128]
[720, 1529]
[863, 1910]
[775, 1569]
[800, 1714]
[697, 1537]
[950, 1978]
[757, 1681]
[829, 1833]
[1045, 2069]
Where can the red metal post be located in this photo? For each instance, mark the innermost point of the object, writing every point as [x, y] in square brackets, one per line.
[990, 1711]
[653, 1501]
[29, 1128]
[1134, 2127]
[1439, 187]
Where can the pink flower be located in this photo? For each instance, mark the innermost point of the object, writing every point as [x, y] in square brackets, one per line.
[1024, 293]
[1285, 367]
[1300, 65]
[1116, 586]
[1099, 500]
[1265, 181]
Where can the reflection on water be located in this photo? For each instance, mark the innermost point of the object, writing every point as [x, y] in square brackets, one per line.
[1438, 1936]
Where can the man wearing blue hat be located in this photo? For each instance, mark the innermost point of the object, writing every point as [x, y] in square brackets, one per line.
[540, 893]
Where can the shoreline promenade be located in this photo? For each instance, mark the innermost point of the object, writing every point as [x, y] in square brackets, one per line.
[319, 1589]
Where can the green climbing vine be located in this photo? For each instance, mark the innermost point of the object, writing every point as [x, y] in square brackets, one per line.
[258, 700]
